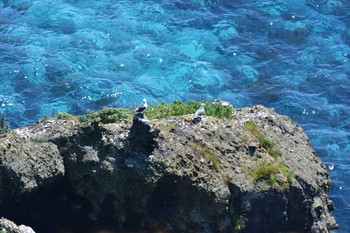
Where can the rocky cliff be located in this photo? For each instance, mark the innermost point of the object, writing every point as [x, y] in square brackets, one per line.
[254, 173]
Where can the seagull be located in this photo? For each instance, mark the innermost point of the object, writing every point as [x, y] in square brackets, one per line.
[200, 112]
[142, 107]
[222, 102]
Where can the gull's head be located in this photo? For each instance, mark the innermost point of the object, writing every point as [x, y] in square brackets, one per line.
[144, 100]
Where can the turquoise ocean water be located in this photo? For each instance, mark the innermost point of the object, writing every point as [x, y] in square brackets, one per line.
[292, 55]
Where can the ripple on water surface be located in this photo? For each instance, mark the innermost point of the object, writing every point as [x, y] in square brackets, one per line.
[74, 55]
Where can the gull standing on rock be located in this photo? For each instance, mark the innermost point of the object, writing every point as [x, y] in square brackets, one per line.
[142, 107]
[200, 112]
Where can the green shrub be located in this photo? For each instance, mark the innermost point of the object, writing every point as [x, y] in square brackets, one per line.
[273, 180]
[107, 115]
[275, 153]
[4, 125]
[179, 108]
[64, 116]
[289, 175]
[269, 146]
[3, 121]
[266, 143]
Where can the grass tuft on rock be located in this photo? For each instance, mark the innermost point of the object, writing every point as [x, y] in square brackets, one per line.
[208, 153]
[275, 173]
[266, 143]
[265, 170]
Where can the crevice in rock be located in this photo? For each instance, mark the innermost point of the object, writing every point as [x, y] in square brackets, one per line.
[142, 137]
[298, 210]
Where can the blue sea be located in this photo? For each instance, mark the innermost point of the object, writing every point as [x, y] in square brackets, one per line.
[291, 55]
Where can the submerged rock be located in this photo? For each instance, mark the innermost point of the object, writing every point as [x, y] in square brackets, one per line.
[255, 173]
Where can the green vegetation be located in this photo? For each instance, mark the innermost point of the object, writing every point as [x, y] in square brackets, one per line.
[39, 139]
[171, 127]
[269, 171]
[269, 146]
[208, 153]
[265, 170]
[251, 126]
[266, 143]
[65, 116]
[162, 110]
[239, 221]
[179, 108]
[107, 115]
[44, 118]
[3, 230]
[4, 125]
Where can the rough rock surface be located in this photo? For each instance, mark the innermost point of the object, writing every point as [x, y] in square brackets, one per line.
[11, 227]
[167, 174]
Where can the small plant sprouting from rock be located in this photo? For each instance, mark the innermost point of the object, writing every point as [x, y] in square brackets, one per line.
[208, 153]
[171, 127]
[269, 146]
[266, 143]
[251, 126]
[4, 125]
[239, 221]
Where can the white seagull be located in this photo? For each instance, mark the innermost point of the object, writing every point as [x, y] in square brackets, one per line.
[222, 103]
[200, 112]
[142, 107]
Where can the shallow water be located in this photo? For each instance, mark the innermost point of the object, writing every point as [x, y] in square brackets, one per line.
[292, 55]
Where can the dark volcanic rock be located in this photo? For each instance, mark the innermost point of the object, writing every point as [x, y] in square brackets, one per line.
[167, 175]
[26, 165]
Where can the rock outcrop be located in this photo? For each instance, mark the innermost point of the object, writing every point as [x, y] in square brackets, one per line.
[166, 175]
[9, 226]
